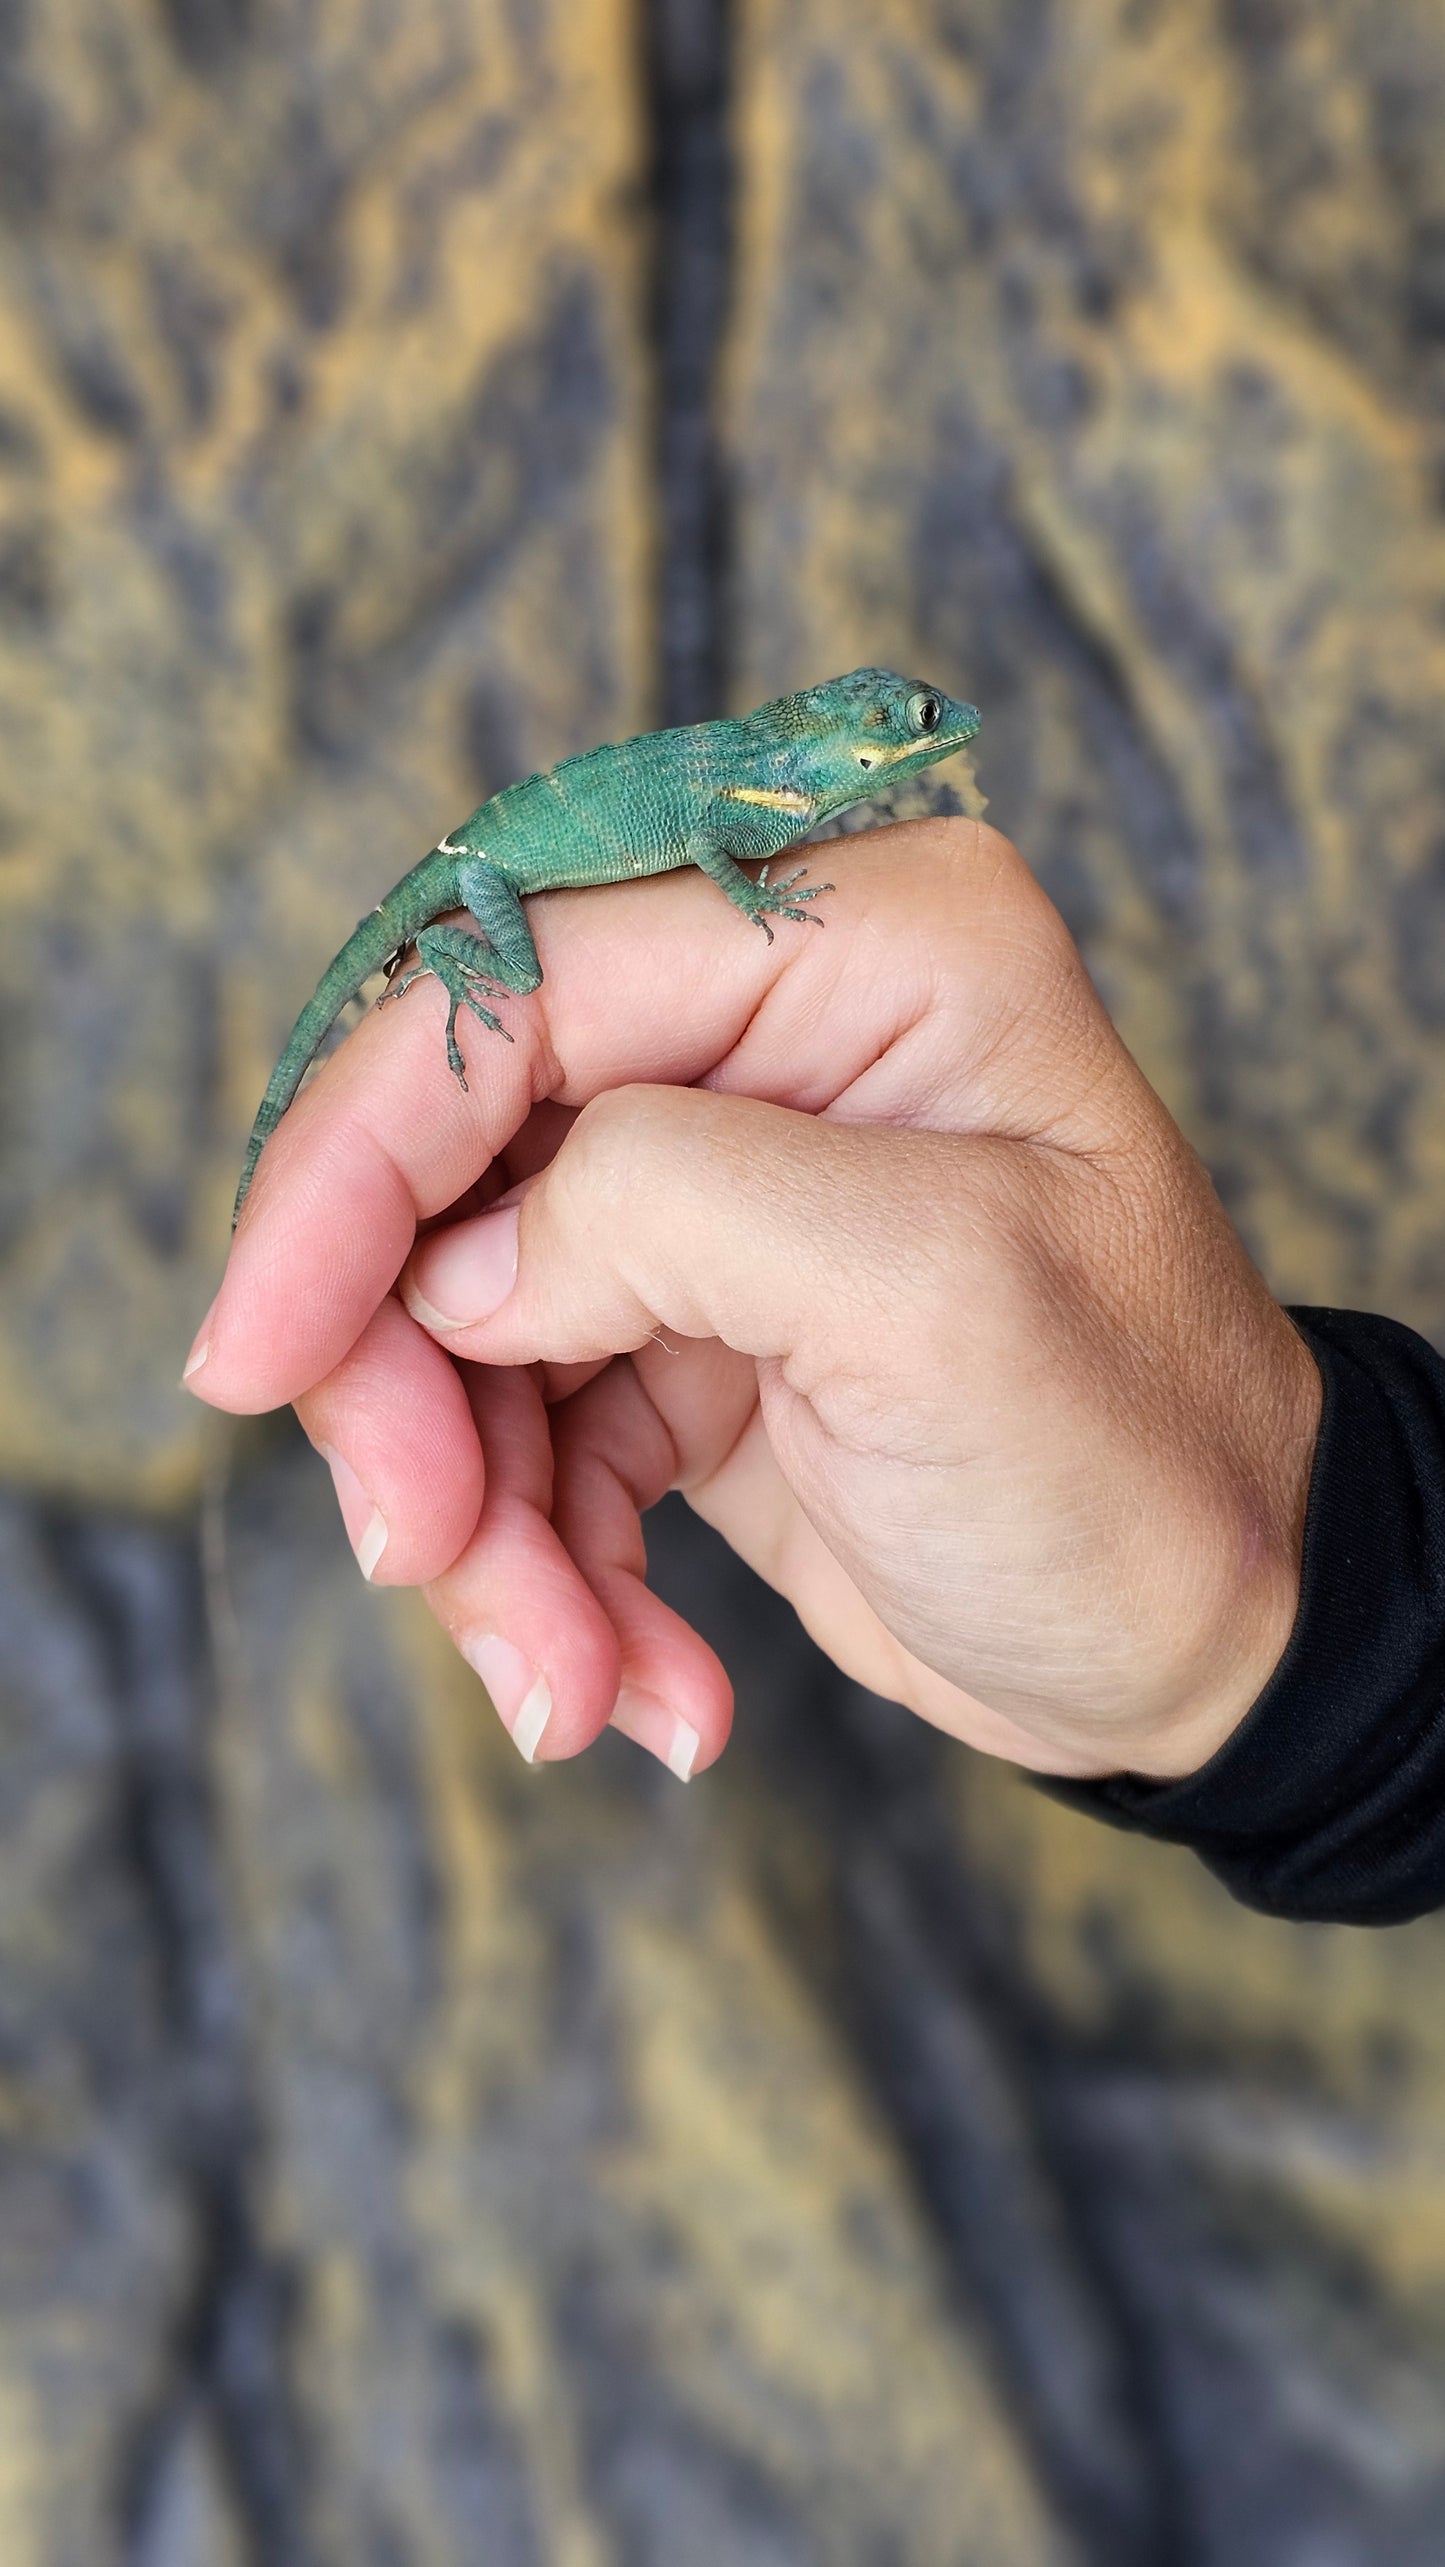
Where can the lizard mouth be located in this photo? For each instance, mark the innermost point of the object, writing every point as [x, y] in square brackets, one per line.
[934, 744]
[964, 729]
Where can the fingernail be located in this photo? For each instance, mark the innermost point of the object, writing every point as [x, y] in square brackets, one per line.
[202, 1346]
[365, 1524]
[520, 1692]
[651, 1724]
[464, 1274]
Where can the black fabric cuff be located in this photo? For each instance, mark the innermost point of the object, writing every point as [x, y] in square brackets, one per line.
[1328, 1802]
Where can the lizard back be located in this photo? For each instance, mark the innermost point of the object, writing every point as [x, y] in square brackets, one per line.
[631, 808]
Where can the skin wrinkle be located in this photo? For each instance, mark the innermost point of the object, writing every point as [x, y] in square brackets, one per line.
[757, 1014]
[963, 1053]
[835, 1109]
[834, 1622]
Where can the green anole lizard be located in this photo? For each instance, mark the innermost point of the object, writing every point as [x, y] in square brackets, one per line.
[717, 795]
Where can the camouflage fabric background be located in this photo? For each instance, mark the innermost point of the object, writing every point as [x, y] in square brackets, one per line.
[406, 2160]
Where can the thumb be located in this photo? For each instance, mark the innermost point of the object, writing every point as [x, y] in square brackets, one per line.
[682, 1210]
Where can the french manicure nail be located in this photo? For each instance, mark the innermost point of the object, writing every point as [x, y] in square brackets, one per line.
[366, 1527]
[202, 1346]
[520, 1692]
[653, 1725]
[462, 1275]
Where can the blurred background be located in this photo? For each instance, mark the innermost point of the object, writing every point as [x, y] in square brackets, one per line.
[855, 2161]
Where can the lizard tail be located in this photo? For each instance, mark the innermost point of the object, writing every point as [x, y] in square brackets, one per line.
[424, 893]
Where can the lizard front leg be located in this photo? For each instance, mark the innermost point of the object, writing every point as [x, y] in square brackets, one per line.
[760, 899]
[503, 956]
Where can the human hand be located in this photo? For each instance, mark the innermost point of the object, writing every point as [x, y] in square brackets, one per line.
[877, 1244]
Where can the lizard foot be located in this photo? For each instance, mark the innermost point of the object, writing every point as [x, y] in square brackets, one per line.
[788, 881]
[458, 961]
[783, 900]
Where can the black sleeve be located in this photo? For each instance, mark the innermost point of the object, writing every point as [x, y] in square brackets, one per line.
[1328, 1802]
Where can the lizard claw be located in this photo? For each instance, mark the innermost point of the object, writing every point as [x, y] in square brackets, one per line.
[455, 1063]
[783, 899]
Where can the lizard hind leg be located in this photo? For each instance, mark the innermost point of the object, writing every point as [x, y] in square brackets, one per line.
[465, 967]
[501, 957]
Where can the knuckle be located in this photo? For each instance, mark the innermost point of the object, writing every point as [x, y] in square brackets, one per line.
[972, 852]
[996, 920]
[625, 1138]
[994, 869]
[623, 1117]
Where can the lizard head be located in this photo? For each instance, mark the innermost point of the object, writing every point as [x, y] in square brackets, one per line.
[853, 736]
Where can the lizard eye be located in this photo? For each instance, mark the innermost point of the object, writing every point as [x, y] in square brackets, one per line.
[924, 712]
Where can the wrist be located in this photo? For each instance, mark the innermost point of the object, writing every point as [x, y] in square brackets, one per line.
[1255, 1597]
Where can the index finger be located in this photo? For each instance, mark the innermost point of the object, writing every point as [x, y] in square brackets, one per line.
[651, 981]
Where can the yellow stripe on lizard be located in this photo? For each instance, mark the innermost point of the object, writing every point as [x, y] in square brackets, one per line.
[770, 797]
